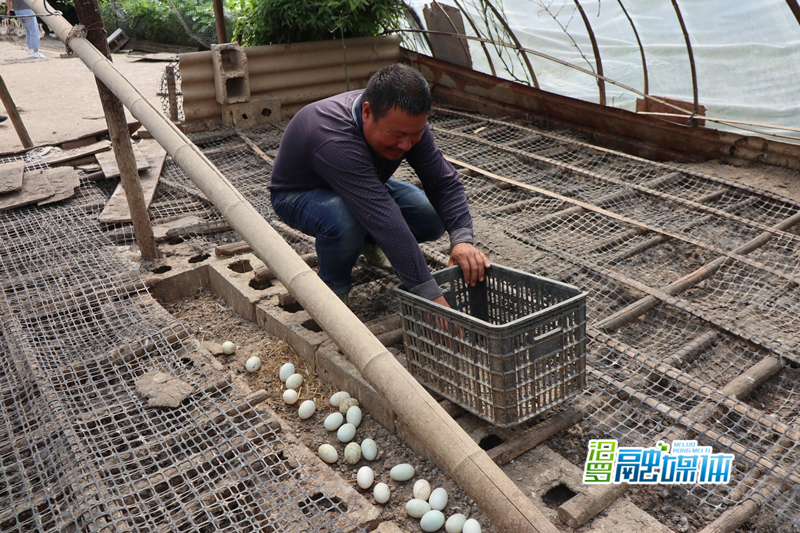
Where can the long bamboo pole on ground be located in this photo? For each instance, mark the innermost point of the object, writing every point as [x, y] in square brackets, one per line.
[509, 509]
[89, 14]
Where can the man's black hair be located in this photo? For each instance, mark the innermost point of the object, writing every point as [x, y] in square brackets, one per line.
[398, 85]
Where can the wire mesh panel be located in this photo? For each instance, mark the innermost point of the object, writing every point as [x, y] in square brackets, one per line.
[698, 274]
[82, 448]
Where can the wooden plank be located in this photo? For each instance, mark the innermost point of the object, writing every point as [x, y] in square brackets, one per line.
[532, 437]
[108, 162]
[161, 231]
[116, 209]
[77, 153]
[35, 187]
[11, 176]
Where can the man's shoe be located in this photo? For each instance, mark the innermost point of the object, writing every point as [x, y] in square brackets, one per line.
[37, 55]
[375, 257]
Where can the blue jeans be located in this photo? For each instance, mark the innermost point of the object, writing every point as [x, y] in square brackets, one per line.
[321, 213]
[31, 28]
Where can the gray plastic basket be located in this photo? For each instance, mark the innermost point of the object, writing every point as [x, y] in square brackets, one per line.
[508, 349]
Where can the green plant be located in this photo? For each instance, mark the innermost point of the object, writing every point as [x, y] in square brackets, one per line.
[288, 21]
[156, 20]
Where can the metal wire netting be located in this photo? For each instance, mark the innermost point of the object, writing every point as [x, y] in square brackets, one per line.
[82, 450]
[691, 281]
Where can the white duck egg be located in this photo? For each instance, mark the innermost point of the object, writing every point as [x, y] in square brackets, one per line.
[253, 364]
[369, 449]
[228, 347]
[294, 381]
[417, 508]
[431, 521]
[328, 453]
[346, 404]
[352, 453]
[365, 477]
[346, 433]
[471, 526]
[438, 499]
[421, 490]
[333, 421]
[402, 472]
[339, 397]
[306, 409]
[381, 493]
[286, 370]
[354, 415]
[290, 396]
[455, 523]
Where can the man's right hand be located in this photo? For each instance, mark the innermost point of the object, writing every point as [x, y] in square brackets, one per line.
[471, 260]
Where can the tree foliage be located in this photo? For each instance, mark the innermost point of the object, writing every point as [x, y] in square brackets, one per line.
[288, 21]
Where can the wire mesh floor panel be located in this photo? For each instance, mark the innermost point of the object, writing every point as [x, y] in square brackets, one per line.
[81, 451]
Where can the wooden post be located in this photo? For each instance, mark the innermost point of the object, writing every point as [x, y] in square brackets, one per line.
[219, 18]
[13, 114]
[89, 15]
[172, 95]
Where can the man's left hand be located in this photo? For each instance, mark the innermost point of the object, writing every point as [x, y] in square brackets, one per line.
[471, 260]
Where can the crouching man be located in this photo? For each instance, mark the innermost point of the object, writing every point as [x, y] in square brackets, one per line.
[332, 179]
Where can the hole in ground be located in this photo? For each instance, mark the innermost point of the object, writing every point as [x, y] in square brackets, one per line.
[259, 285]
[161, 269]
[241, 266]
[199, 258]
[293, 308]
[310, 325]
[490, 441]
[557, 495]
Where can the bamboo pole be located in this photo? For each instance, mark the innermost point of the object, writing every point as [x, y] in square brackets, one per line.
[509, 509]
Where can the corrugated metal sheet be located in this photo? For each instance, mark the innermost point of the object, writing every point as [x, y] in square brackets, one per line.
[298, 73]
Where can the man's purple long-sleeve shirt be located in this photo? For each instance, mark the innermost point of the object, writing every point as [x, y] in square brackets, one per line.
[324, 147]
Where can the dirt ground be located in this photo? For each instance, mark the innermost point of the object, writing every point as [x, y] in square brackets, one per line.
[57, 99]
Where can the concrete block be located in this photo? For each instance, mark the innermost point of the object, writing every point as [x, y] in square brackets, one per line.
[178, 284]
[259, 110]
[291, 328]
[117, 40]
[231, 77]
[230, 279]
